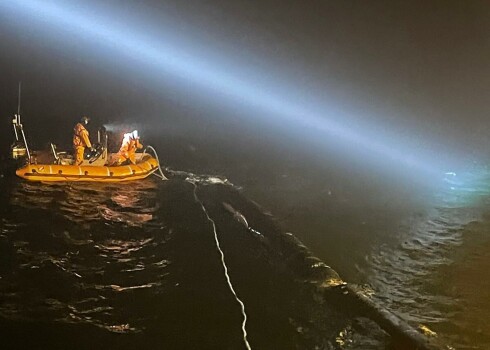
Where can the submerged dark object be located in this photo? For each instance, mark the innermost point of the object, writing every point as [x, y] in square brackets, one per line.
[240, 218]
[346, 297]
[352, 299]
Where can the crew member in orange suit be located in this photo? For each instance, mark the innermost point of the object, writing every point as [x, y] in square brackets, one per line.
[81, 140]
[127, 152]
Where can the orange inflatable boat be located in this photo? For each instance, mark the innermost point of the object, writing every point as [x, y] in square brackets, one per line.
[53, 166]
[146, 166]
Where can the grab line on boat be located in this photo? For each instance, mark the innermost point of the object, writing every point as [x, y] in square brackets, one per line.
[228, 280]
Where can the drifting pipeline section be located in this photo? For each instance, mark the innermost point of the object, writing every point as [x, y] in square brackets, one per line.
[347, 298]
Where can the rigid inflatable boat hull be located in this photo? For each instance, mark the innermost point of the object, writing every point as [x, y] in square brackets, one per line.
[63, 173]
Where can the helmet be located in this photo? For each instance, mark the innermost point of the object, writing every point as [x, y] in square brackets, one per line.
[135, 134]
[85, 119]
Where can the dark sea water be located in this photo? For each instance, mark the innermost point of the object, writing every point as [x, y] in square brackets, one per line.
[423, 255]
[139, 265]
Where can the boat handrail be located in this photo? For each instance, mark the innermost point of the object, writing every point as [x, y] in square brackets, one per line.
[53, 148]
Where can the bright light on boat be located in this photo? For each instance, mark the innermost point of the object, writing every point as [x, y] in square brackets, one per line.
[165, 56]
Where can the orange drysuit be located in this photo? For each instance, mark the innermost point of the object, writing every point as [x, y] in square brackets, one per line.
[80, 141]
[128, 150]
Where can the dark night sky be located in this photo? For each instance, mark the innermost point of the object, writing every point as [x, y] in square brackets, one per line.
[419, 69]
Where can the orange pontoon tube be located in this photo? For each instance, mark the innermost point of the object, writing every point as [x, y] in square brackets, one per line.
[56, 173]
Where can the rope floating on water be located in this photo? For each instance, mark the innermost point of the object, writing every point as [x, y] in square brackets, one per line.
[228, 280]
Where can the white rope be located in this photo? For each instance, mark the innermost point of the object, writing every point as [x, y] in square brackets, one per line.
[161, 176]
[242, 306]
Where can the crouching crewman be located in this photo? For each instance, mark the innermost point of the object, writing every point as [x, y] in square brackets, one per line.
[127, 152]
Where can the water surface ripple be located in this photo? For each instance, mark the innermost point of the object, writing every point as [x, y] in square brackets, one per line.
[136, 265]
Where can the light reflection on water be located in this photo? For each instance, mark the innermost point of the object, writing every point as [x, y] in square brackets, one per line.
[436, 273]
[423, 254]
[139, 259]
[77, 247]
[84, 253]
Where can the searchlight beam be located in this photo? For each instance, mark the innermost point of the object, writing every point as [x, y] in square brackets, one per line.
[166, 58]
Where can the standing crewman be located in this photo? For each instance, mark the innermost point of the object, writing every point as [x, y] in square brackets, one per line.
[127, 152]
[81, 140]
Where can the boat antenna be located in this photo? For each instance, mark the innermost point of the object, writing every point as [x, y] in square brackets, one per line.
[18, 103]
